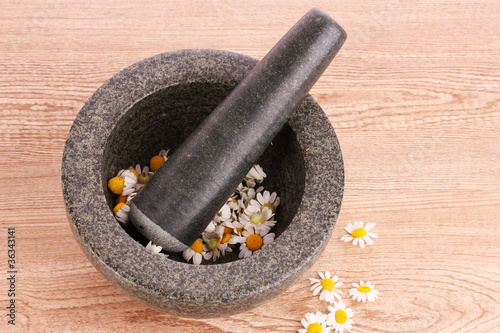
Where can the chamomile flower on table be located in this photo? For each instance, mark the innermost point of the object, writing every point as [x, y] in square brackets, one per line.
[266, 199]
[328, 286]
[121, 212]
[314, 323]
[252, 241]
[156, 249]
[363, 292]
[359, 234]
[259, 219]
[339, 317]
[195, 252]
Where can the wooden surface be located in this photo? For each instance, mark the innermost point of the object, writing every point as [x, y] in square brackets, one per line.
[414, 97]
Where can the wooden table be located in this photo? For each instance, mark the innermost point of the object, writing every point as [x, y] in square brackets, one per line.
[414, 97]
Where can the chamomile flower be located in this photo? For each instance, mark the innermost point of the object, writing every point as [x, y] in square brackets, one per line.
[255, 175]
[195, 252]
[156, 249]
[144, 175]
[266, 199]
[359, 234]
[314, 323]
[141, 170]
[246, 193]
[121, 211]
[216, 245]
[260, 220]
[235, 205]
[163, 153]
[328, 286]
[339, 317]
[123, 183]
[362, 292]
[210, 227]
[223, 215]
[252, 241]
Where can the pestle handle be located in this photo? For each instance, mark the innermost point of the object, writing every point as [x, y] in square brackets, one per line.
[184, 195]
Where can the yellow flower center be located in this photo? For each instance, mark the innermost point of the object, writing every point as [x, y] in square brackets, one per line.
[118, 207]
[340, 316]
[364, 289]
[197, 245]
[314, 328]
[225, 238]
[270, 206]
[257, 218]
[254, 242]
[116, 185]
[134, 172]
[328, 284]
[358, 233]
[121, 198]
[156, 162]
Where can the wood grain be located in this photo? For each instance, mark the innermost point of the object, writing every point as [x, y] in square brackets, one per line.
[414, 97]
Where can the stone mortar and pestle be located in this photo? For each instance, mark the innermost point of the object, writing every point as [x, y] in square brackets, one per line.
[220, 113]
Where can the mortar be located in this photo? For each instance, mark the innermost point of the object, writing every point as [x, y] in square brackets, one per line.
[156, 104]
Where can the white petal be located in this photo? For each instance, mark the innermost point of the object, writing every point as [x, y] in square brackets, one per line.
[355, 241]
[346, 238]
[327, 274]
[371, 234]
[321, 275]
[369, 226]
[368, 240]
[317, 290]
[349, 228]
[361, 242]
[272, 197]
[197, 258]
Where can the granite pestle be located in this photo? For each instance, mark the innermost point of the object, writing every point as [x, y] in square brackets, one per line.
[184, 195]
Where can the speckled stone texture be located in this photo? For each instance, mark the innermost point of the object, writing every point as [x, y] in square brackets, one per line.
[179, 202]
[156, 104]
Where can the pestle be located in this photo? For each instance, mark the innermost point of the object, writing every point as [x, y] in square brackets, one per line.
[179, 201]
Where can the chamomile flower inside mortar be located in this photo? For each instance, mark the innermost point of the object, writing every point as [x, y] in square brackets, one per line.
[242, 225]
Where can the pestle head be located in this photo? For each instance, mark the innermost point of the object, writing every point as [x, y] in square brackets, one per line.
[180, 200]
